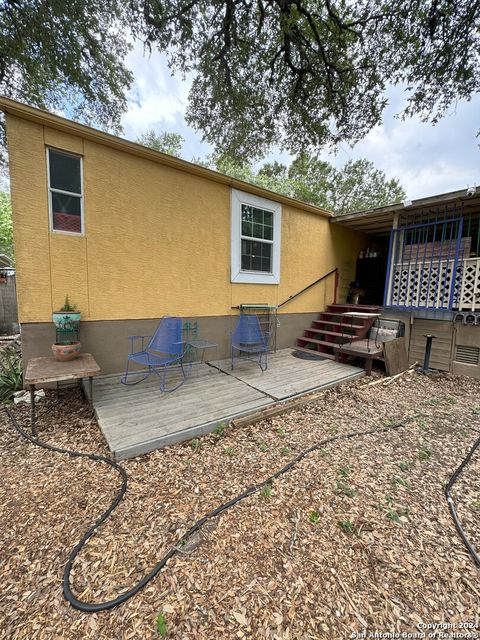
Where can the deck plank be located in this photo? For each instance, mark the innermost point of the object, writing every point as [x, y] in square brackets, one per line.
[138, 419]
[288, 376]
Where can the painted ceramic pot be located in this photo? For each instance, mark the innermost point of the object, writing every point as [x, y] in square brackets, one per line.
[66, 320]
[66, 352]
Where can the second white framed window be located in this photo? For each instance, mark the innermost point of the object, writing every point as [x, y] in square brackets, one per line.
[255, 239]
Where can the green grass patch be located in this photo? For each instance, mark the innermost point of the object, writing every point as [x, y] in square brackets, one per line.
[220, 429]
[196, 444]
[393, 516]
[406, 465]
[424, 452]
[162, 625]
[266, 491]
[433, 402]
[396, 482]
[346, 526]
[343, 489]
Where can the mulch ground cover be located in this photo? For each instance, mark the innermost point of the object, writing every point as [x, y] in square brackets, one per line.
[356, 536]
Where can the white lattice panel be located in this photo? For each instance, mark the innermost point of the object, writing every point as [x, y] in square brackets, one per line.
[469, 299]
[421, 285]
[428, 286]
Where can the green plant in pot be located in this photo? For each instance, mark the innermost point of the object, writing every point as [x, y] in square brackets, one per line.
[67, 318]
[66, 321]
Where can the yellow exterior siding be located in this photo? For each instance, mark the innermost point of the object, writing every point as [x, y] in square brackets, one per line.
[28, 184]
[157, 239]
[62, 140]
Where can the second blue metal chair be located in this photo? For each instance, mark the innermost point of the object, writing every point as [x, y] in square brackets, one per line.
[248, 339]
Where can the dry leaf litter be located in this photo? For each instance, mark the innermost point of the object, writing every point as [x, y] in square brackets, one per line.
[357, 536]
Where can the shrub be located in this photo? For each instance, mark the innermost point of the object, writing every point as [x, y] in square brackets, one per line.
[11, 375]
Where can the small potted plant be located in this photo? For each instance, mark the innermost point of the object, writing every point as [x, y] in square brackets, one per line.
[67, 318]
[66, 321]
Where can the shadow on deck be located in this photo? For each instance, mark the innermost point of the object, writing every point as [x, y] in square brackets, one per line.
[139, 419]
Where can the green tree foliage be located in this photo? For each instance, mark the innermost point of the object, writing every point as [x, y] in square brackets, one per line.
[301, 74]
[66, 55]
[165, 142]
[297, 74]
[277, 181]
[357, 185]
[314, 180]
[6, 232]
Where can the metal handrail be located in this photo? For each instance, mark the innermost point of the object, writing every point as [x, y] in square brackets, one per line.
[312, 284]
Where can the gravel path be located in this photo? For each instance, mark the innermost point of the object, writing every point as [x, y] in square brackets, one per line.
[356, 536]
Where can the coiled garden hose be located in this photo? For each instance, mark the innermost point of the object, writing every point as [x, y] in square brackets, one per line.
[91, 607]
[451, 504]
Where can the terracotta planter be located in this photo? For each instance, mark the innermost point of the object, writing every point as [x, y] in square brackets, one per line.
[65, 352]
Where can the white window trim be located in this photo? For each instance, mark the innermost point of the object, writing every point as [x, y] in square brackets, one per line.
[256, 277]
[67, 193]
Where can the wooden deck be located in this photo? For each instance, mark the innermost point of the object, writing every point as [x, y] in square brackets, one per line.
[139, 419]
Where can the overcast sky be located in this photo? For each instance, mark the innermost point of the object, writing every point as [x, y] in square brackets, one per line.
[426, 159]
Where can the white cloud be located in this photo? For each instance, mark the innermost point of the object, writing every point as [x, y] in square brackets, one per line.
[158, 101]
[156, 98]
[426, 159]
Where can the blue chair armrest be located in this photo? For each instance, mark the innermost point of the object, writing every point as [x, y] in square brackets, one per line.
[184, 349]
[132, 342]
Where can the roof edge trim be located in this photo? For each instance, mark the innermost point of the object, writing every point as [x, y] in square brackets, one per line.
[64, 125]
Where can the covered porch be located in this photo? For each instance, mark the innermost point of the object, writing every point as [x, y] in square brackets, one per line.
[136, 420]
[421, 265]
[421, 255]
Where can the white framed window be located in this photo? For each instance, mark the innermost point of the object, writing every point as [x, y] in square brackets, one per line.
[65, 191]
[255, 239]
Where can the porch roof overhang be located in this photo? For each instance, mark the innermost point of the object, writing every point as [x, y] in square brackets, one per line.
[380, 220]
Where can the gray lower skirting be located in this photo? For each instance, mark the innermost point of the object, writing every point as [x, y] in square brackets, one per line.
[107, 340]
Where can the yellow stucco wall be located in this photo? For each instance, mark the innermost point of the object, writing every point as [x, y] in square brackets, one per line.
[157, 239]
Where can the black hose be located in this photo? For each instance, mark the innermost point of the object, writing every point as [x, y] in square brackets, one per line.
[126, 595]
[451, 504]
[78, 604]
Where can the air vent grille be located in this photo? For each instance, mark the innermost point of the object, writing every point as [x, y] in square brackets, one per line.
[467, 355]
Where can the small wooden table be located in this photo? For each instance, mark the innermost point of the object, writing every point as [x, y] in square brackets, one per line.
[43, 370]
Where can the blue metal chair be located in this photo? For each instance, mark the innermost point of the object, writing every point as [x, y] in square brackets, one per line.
[249, 340]
[165, 349]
